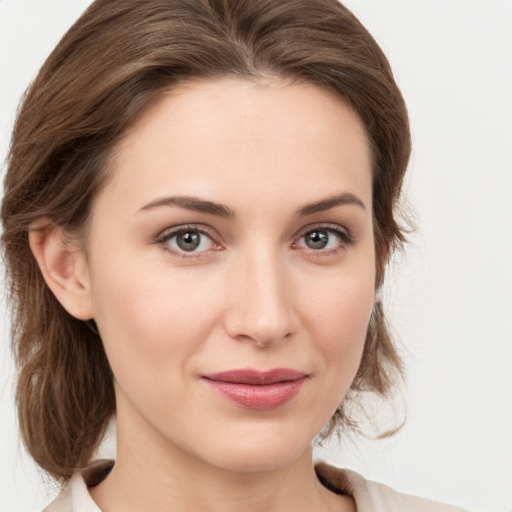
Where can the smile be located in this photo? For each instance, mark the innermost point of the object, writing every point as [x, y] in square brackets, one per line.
[253, 389]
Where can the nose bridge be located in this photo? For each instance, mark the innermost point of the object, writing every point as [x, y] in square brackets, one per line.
[260, 302]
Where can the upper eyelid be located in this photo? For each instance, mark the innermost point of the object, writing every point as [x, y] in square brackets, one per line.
[213, 234]
[163, 238]
[345, 239]
[171, 231]
[323, 225]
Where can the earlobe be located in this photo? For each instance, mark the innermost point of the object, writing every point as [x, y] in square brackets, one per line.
[63, 267]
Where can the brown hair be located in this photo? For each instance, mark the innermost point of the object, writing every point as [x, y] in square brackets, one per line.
[116, 59]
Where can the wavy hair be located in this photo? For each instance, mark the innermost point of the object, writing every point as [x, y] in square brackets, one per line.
[116, 59]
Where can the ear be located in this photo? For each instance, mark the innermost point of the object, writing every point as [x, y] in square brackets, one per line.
[64, 268]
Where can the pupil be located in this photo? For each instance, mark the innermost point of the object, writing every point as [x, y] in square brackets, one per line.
[189, 240]
[317, 239]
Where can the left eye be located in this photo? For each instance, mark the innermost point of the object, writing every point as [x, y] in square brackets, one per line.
[320, 239]
[189, 240]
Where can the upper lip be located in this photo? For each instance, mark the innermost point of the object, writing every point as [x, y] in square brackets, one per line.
[257, 377]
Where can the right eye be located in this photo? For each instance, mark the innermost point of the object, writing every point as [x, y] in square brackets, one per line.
[187, 240]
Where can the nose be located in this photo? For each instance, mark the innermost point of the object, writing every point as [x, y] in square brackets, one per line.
[260, 305]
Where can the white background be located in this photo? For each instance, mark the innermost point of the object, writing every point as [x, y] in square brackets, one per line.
[449, 298]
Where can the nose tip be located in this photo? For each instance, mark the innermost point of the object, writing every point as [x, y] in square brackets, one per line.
[260, 309]
[263, 332]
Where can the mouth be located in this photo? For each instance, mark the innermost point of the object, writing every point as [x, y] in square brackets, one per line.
[254, 389]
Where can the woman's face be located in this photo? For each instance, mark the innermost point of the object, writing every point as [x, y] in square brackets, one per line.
[231, 269]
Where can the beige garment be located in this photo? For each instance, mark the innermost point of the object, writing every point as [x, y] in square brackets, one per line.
[369, 496]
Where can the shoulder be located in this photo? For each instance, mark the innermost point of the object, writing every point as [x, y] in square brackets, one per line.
[373, 496]
[369, 496]
[74, 497]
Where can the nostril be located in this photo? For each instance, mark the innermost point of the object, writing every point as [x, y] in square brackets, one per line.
[261, 333]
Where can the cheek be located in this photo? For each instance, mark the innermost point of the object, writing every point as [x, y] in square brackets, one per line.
[347, 325]
[338, 316]
[146, 320]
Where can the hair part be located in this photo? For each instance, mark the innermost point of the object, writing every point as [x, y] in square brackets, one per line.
[73, 117]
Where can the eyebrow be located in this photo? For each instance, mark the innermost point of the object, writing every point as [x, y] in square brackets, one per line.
[330, 202]
[219, 210]
[192, 203]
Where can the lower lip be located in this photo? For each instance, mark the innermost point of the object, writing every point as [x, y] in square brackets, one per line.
[260, 397]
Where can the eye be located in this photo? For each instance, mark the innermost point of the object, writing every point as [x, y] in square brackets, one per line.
[187, 240]
[324, 238]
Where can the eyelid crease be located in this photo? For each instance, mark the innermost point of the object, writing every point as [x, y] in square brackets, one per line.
[346, 239]
[344, 233]
[167, 234]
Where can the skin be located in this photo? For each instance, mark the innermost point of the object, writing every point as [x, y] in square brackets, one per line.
[254, 294]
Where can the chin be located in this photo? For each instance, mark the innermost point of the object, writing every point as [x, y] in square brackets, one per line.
[258, 461]
[259, 453]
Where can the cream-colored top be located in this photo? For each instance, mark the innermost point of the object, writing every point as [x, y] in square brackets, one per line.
[369, 496]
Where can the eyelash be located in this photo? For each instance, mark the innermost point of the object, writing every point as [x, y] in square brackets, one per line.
[164, 238]
[344, 237]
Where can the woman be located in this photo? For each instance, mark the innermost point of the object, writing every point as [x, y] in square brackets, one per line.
[196, 225]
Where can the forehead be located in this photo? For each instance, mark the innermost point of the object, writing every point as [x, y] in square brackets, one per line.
[204, 135]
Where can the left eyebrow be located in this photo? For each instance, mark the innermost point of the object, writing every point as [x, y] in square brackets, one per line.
[328, 203]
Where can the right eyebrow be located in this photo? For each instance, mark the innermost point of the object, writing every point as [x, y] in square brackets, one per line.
[194, 204]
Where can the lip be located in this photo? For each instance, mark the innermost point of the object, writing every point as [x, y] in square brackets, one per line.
[255, 389]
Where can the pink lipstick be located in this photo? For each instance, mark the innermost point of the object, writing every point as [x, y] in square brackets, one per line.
[254, 389]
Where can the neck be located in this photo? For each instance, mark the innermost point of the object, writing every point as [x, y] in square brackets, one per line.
[132, 485]
[152, 474]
